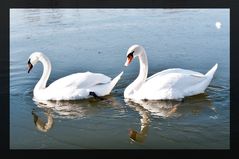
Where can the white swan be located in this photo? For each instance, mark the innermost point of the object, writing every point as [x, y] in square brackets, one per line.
[71, 87]
[170, 84]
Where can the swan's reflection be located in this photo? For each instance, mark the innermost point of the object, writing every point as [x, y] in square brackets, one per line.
[166, 109]
[145, 109]
[145, 121]
[67, 110]
[40, 124]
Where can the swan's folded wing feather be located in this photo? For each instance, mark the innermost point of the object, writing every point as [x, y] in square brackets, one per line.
[173, 78]
[80, 80]
[198, 76]
[176, 70]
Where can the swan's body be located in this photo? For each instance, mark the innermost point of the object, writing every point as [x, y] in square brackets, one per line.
[71, 87]
[169, 84]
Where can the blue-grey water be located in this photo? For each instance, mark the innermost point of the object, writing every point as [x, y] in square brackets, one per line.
[96, 40]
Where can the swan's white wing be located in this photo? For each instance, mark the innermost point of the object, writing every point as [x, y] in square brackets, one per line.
[80, 80]
[177, 70]
[172, 78]
[171, 83]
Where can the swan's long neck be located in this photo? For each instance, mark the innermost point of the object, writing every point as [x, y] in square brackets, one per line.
[46, 73]
[143, 73]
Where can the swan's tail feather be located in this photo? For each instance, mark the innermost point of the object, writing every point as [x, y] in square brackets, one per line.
[115, 80]
[105, 89]
[211, 72]
[209, 75]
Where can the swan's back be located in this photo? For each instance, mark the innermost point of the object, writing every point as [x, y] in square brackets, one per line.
[175, 84]
[80, 80]
[172, 78]
[175, 70]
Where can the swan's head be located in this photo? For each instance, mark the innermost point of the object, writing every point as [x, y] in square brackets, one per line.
[33, 59]
[133, 51]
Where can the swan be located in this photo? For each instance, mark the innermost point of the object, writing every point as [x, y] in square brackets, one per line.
[169, 84]
[71, 87]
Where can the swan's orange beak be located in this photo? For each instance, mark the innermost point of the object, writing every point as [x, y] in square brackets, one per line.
[129, 59]
[29, 66]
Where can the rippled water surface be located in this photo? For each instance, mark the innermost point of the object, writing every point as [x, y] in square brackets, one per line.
[96, 40]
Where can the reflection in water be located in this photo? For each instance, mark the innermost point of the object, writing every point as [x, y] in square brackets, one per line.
[40, 124]
[68, 109]
[77, 109]
[160, 108]
[140, 136]
[165, 109]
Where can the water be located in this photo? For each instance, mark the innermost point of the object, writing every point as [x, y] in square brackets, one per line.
[96, 40]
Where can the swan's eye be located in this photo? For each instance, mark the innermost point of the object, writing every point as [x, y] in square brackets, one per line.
[29, 65]
[130, 55]
[29, 61]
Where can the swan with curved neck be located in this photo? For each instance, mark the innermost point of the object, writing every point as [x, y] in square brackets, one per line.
[168, 84]
[71, 87]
